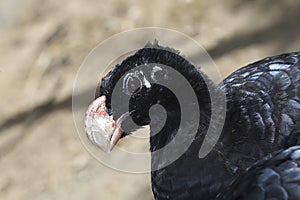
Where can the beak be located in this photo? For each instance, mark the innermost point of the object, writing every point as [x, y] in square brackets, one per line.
[101, 129]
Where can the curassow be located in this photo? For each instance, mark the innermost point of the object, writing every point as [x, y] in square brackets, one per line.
[262, 117]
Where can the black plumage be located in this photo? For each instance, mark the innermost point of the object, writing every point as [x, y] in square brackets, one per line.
[262, 117]
[276, 176]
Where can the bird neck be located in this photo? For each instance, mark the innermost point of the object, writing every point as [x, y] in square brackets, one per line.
[165, 118]
[165, 122]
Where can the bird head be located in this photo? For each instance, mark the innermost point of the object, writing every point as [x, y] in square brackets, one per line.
[124, 97]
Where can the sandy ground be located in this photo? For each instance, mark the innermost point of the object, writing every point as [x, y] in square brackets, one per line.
[43, 44]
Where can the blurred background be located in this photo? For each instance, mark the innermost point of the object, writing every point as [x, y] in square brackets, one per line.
[42, 46]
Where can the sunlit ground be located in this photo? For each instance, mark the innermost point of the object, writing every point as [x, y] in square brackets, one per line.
[42, 46]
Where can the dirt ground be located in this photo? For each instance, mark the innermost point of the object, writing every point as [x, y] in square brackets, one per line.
[43, 43]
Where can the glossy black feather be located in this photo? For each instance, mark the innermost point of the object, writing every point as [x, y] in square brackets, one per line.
[263, 109]
[276, 176]
[263, 116]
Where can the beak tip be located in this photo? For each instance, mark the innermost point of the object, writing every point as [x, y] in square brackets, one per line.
[100, 127]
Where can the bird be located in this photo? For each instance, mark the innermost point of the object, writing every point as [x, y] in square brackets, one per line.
[262, 117]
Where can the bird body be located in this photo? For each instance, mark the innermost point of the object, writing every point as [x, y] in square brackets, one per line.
[263, 100]
[276, 176]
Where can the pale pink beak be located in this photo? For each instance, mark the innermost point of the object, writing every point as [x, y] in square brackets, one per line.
[100, 128]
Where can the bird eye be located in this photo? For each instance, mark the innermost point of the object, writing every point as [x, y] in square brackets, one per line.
[133, 84]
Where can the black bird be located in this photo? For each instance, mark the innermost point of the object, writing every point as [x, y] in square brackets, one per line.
[262, 116]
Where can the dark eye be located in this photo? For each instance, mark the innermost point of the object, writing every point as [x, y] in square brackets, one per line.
[133, 84]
